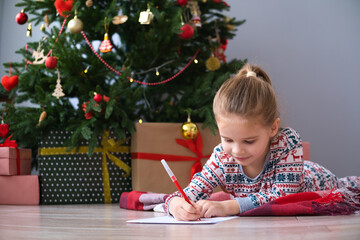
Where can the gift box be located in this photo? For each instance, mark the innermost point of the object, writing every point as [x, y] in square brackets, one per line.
[19, 190]
[69, 177]
[152, 142]
[11, 165]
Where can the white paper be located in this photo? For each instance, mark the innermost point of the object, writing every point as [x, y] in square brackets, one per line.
[171, 220]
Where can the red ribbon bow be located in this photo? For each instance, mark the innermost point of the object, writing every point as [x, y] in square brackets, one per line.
[196, 146]
[13, 144]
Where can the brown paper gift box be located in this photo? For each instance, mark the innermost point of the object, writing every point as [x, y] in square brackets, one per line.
[19, 190]
[160, 139]
[8, 164]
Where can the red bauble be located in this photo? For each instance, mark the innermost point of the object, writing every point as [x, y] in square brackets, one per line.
[97, 98]
[51, 62]
[21, 18]
[187, 31]
[64, 7]
[4, 130]
[9, 82]
[182, 2]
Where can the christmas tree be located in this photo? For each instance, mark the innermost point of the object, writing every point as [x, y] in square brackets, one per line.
[158, 61]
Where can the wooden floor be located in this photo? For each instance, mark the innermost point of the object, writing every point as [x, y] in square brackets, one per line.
[109, 222]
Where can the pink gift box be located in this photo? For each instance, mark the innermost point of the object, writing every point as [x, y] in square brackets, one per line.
[19, 190]
[8, 165]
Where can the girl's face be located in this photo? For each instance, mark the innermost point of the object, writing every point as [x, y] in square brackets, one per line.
[246, 140]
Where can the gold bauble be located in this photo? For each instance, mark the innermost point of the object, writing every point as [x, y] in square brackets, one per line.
[189, 130]
[212, 63]
[89, 3]
[75, 25]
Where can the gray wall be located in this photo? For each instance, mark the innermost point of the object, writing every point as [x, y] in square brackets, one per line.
[310, 49]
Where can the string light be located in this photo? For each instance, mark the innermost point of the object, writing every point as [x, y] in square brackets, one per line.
[86, 70]
[157, 72]
[196, 61]
[140, 121]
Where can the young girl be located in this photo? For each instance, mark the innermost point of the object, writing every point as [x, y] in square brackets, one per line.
[256, 161]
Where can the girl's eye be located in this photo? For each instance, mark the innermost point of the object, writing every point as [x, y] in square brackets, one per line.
[249, 141]
[228, 140]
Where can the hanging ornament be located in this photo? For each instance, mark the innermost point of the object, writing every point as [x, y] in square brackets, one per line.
[29, 30]
[88, 115]
[119, 19]
[75, 25]
[187, 31]
[212, 63]
[4, 128]
[64, 7]
[42, 27]
[146, 16]
[97, 97]
[9, 82]
[195, 12]
[89, 3]
[46, 20]
[42, 117]
[182, 2]
[51, 62]
[106, 45]
[39, 54]
[21, 18]
[58, 92]
[189, 130]
[220, 54]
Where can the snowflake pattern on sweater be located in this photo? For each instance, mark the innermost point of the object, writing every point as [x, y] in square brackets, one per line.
[284, 172]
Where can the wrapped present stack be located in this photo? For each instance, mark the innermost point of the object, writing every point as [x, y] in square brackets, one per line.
[17, 185]
[71, 176]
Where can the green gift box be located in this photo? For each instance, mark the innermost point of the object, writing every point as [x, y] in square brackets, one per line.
[70, 177]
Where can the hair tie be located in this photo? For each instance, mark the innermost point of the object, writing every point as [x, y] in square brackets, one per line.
[250, 74]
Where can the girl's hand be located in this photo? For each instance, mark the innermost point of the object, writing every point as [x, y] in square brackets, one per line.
[182, 210]
[218, 208]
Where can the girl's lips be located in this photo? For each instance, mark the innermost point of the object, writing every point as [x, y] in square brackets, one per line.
[241, 159]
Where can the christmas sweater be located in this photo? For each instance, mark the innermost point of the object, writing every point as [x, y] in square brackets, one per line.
[284, 172]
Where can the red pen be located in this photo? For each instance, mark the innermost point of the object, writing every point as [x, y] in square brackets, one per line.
[173, 178]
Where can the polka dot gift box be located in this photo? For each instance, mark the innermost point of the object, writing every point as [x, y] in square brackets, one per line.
[70, 177]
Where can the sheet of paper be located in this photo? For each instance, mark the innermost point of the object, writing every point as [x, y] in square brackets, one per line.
[171, 220]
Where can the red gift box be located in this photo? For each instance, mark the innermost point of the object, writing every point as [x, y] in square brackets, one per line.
[8, 161]
[19, 190]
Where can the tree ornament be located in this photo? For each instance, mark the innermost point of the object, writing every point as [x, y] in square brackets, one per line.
[146, 16]
[29, 30]
[46, 20]
[97, 97]
[119, 19]
[64, 7]
[182, 2]
[42, 117]
[88, 115]
[189, 130]
[75, 25]
[212, 63]
[187, 31]
[58, 92]
[106, 45]
[4, 129]
[195, 12]
[89, 3]
[39, 54]
[51, 62]
[9, 82]
[21, 18]
[42, 27]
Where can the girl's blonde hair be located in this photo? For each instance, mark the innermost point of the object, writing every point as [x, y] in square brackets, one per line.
[248, 94]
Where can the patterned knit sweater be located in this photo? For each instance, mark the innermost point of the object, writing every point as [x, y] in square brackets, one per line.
[284, 172]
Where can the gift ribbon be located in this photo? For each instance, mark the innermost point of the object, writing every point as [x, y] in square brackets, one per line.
[13, 144]
[107, 146]
[195, 146]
